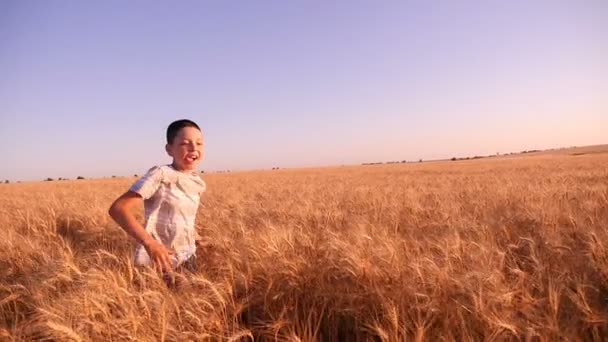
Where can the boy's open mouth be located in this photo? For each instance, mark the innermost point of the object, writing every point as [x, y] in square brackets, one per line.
[191, 157]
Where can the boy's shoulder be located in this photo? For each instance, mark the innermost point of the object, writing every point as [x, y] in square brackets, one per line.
[164, 169]
[155, 168]
[155, 172]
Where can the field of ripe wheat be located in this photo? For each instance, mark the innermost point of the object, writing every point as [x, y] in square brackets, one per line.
[490, 249]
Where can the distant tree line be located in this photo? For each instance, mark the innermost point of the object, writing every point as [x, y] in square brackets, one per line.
[389, 162]
[49, 179]
[494, 155]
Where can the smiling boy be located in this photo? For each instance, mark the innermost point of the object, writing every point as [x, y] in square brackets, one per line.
[171, 195]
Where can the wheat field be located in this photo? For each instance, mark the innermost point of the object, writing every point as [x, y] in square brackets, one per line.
[511, 248]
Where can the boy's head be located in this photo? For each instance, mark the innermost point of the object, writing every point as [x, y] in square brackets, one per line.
[185, 144]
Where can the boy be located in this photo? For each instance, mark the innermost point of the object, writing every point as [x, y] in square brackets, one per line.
[171, 195]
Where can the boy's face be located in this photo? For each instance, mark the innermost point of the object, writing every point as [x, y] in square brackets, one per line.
[187, 149]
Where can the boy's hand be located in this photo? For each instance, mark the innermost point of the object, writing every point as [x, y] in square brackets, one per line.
[159, 254]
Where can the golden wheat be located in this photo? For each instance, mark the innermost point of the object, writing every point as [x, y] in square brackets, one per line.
[493, 249]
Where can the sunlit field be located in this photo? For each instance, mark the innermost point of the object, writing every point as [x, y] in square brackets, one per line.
[502, 248]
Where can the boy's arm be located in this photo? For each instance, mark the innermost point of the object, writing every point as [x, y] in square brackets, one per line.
[121, 212]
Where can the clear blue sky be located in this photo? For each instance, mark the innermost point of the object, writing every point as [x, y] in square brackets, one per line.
[88, 88]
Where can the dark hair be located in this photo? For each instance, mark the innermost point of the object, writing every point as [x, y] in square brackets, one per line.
[176, 126]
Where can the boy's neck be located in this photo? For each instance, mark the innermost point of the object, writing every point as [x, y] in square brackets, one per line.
[180, 170]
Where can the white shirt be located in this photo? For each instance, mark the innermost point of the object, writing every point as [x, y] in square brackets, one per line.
[171, 200]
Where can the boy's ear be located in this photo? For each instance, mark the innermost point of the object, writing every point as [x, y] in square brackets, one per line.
[168, 150]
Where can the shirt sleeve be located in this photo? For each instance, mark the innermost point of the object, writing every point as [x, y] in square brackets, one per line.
[148, 184]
